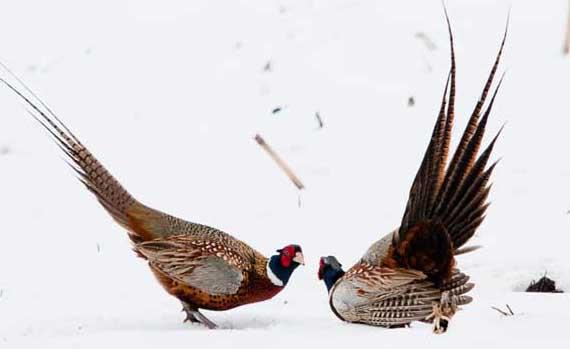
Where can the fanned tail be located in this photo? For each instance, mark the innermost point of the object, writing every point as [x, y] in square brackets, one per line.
[461, 202]
[447, 204]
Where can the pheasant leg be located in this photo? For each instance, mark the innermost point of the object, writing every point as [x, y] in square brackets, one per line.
[189, 316]
[443, 312]
[194, 316]
[204, 320]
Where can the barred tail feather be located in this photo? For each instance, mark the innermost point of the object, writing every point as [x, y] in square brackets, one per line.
[109, 192]
[468, 147]
[455, 195]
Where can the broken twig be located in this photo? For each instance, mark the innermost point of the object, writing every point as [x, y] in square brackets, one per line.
[279, 162]
[500, 311]
[319, 120]
[504, 313]
[566, 49]
[430, 45]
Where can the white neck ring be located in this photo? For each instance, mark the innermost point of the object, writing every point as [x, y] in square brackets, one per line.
[274, 279]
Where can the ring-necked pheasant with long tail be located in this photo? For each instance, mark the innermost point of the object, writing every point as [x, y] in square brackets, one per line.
[203, 267]
[410, 274]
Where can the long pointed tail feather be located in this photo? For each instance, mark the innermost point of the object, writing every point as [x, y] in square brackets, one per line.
[142, 222]
[453, 195]
[470, 167]
[108, 191]
[456, 171]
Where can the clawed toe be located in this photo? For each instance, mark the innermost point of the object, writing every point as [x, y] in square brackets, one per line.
[204, 320]
[194, 316]
[190, 318]
[442, 313]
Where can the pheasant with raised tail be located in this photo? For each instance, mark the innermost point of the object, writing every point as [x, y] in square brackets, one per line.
[410, 274]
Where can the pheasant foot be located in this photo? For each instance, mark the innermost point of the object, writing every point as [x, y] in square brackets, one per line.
[442, 313]
[193, 315]
[204, 320]
[189, 316]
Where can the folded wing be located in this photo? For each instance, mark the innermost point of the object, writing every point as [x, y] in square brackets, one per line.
[392, 297]
[211, 267]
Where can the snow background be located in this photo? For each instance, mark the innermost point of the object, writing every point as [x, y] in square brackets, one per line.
[169, 94]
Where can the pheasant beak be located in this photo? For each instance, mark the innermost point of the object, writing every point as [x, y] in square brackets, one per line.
[299, 258]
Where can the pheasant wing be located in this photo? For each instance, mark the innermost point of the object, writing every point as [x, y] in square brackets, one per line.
[387, 297]
[395, 297]
[210, 266]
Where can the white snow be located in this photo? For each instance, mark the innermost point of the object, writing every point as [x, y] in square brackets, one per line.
[169, 94]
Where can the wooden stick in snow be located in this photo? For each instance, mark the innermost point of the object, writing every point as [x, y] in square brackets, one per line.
[500, 311]
[319, 120]
[504, 313]
[567, 41]
[279, 162]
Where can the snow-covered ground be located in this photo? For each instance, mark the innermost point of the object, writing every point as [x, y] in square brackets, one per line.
[168, 94]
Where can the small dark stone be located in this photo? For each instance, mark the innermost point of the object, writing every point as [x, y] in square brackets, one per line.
[411, 101]
[544, 285]
[276, 110]
[267, 67]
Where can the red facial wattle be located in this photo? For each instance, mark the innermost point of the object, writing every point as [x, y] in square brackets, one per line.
[321, 268]
[285, 261]
[287, 255]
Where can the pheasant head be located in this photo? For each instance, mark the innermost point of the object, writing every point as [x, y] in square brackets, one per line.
[330, 270]
[281, 266]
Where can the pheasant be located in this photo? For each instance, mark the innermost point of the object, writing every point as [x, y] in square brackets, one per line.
[410, 274]
[203, 267]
